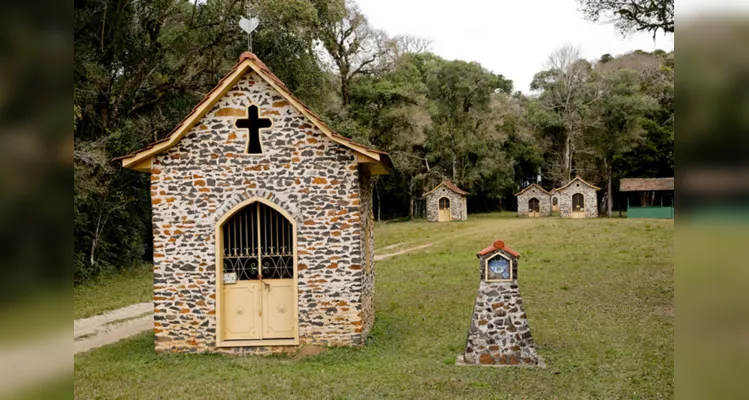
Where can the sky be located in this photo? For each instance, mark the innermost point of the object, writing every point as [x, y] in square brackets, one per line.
[509, 37]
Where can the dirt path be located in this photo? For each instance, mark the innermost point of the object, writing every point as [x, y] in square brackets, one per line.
[112, 326]
[404, 251]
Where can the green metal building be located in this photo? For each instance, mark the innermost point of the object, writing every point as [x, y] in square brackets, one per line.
[648, 197]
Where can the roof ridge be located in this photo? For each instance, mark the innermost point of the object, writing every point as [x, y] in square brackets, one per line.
[256, 65]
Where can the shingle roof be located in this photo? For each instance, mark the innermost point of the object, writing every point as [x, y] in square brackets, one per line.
[497, 245]
[450, 185]
[250, 60]
[645, 184]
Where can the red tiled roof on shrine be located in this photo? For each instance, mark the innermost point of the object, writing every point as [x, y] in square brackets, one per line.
[497, 245]
[247, 62]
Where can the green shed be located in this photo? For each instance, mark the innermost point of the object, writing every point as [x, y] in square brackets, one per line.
[648, 197]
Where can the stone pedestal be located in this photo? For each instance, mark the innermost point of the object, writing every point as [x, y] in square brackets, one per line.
[499, 333]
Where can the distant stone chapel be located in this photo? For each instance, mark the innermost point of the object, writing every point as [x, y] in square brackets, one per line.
[576, 199]
[446, 202]
[262, 223]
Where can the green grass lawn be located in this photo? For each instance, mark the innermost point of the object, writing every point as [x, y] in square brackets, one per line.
[113, 292]
[598, 294]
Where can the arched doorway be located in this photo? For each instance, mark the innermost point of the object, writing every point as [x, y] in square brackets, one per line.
[578, 206]
[554, 203]
[256, 276]
[534, 209]
[444, 210]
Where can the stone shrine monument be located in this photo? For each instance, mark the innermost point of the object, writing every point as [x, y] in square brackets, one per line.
[499, 333]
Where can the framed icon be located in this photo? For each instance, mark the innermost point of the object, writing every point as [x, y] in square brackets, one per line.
[498, 269]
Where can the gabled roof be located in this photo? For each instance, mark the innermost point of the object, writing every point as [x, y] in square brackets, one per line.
[379, 161]
[577, 178]
[530, 186]
[497, 245]
[446, 182]
[645, 184]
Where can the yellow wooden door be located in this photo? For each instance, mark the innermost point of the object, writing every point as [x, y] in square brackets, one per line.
[279, 300]
[444, 214]
[242, 311]
[259, 286]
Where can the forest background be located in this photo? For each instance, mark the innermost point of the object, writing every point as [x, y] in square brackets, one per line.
[140, 67]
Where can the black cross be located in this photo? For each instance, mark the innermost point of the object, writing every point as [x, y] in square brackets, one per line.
[253, 124]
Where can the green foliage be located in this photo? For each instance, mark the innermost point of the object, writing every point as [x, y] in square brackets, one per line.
[140, 67]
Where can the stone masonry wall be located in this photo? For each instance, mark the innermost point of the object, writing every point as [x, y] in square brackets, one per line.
[590, 199]
[544, 202]
[367, 248]
[499, 333]
[200, 179]
[458, 204]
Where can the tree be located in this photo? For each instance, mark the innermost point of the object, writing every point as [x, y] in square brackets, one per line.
[354, 47]
[632, 15]
[617, 121]
[462, 94]
[559, 112]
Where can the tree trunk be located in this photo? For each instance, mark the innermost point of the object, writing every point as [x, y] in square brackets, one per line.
[567, 159]
[609, 198]
[344, 89]
[411, 200]
[455, 155]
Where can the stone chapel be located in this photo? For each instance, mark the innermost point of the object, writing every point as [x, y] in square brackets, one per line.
[262, 223]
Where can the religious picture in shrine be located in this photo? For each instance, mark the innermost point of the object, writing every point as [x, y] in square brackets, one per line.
[498, 268]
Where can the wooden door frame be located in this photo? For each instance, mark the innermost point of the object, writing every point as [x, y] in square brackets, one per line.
[219, 239]
[449, 209]
[578, 214]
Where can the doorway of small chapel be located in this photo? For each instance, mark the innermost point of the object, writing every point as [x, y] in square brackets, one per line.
[444, 210]
[534, 208]
[256, 276]
[578, 206]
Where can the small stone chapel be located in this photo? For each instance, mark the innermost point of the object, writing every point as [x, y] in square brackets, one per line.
[262, 223]
[446, 202]
[534, 201]
[577, 199]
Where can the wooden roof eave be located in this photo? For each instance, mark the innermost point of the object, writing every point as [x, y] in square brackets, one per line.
[530, 186]
[140, 160]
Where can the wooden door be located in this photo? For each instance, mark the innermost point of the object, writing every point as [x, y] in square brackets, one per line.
[242, 313]
[444, 210]
[578, 206]
[534, 209]
[259, 296]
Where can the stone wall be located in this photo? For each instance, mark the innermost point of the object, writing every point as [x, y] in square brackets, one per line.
[499, 333]
[367, 248]
[458, 204]
[590, 199]
[199, 180]
[544, 202]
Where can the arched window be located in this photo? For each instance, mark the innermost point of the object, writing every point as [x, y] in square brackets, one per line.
[258, 243]
[533, 205]
[444, 203]
[555, 201]
[578, 202]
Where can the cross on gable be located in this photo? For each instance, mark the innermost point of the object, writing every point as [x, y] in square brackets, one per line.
[253, 123]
